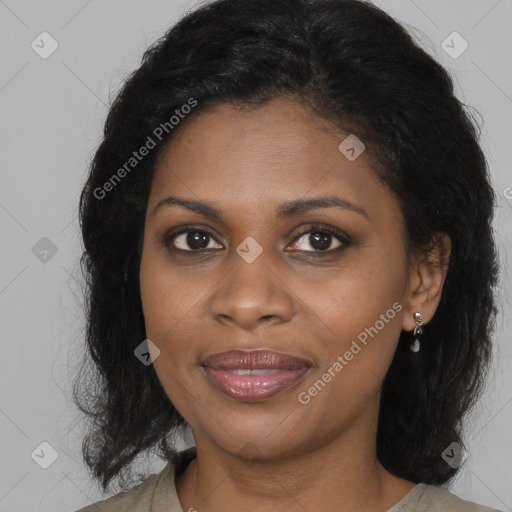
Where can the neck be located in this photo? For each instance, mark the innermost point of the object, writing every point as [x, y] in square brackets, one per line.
[342, 473]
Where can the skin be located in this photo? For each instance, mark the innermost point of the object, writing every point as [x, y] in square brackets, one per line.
[279, 454]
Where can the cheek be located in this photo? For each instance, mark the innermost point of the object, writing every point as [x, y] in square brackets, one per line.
[171, 322]
[352, 367]
[168, 299]
[362, 307]
[354, 297]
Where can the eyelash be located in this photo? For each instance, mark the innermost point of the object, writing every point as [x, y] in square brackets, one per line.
[343, 238]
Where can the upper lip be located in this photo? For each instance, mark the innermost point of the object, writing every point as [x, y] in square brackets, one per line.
[254, 359]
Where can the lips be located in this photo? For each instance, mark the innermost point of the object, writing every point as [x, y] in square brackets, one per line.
[254, 375]
[253, 360]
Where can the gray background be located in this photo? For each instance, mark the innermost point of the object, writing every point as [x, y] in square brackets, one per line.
[52, 112]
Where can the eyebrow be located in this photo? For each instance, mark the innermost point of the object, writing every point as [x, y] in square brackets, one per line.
[286, 210]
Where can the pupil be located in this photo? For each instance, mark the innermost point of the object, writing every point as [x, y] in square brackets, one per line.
[321, 239]
[197, 239]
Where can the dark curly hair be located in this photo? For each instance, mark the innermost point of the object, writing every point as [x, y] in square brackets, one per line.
[353, 65]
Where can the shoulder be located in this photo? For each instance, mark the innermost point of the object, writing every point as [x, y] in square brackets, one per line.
[157, 493]
[142, 497]
[433, 498]
[137, 499]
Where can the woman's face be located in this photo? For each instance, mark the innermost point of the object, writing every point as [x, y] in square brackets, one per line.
[266, 275]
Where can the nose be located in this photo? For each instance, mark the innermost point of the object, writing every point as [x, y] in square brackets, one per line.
[252, 294]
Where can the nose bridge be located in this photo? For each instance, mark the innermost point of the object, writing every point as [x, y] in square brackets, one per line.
[252, 289]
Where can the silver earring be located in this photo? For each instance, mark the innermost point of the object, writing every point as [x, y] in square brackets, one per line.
[415, 345]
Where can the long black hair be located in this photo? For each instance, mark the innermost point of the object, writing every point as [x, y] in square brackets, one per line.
[355, 66]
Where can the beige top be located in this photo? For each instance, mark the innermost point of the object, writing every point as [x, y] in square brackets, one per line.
[158, 494]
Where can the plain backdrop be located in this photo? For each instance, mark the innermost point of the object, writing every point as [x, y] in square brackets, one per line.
[52, 114]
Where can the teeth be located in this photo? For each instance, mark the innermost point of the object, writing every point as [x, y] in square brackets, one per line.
[263, 371]
[260, 371]
[240, 372]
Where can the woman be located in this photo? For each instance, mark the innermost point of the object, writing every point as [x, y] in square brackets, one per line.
[288, 248]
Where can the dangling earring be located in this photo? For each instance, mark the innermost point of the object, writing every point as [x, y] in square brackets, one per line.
[415, 345]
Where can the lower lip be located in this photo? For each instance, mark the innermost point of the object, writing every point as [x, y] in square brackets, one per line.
[253, 388]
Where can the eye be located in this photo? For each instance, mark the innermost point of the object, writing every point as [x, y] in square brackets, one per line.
[192, 240]
[321, 239]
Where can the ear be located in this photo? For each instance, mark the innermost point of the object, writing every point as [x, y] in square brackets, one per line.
[427, 274]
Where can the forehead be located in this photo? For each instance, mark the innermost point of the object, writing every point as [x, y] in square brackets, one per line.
[273, 153]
